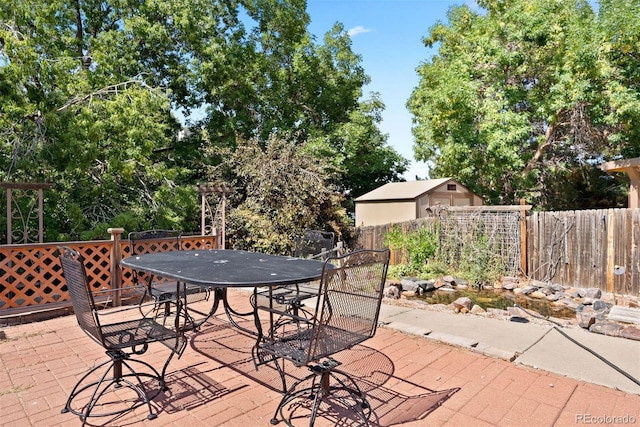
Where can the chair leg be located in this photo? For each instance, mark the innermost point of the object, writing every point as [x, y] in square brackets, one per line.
[321, 390]
[118, 379]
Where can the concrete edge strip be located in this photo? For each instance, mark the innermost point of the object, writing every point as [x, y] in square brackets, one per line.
[453, 340]
[407, 328]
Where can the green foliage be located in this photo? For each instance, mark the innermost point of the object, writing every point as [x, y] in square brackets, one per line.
[480, 261]
[526, 94]
[419, 246]
[280, 192]
[88, 92]
[428, 254]
[399, 271]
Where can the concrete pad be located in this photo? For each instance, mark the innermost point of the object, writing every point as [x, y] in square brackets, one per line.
[388, 312]
[511, 337]
[558, 354]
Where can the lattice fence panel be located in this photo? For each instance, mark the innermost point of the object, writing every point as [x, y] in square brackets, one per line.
[31, 275]
[192, 243]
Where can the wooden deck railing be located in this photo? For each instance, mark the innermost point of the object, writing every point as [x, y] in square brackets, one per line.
[31, 277]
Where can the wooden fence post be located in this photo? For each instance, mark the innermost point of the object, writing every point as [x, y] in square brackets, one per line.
[523, 237]
[116, 256]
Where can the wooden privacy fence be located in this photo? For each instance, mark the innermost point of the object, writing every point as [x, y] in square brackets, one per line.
[590, 248]
[31, 277]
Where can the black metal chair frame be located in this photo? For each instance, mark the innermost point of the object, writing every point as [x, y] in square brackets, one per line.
[116, 337]
[346, 314]
[165, 294]
[313, 244]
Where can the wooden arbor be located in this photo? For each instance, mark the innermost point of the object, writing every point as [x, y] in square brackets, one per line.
[632, 168]
[206, 190]
[25, 216]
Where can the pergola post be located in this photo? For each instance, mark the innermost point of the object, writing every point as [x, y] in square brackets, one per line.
[632, 168]
[27, 186]
[206, 189]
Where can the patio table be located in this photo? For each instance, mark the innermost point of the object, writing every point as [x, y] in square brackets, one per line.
[223, 269]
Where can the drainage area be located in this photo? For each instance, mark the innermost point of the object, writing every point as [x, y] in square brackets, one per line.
[498, 299]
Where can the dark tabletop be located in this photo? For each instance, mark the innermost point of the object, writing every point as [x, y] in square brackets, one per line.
[227, 268]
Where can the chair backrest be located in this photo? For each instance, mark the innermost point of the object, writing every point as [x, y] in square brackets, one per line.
[314, 243]
[347, 311]
[151, 241]
[84, 306]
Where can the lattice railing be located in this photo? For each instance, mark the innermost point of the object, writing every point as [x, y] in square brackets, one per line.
[31, 276]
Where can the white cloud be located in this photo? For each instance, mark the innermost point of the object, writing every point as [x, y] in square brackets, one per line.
[357, 30]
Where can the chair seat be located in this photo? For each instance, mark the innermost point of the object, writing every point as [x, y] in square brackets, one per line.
[134, 332]
[288, 295]
[295, 346]
[167, 292]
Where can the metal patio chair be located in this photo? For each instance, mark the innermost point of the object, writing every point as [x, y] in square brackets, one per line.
[346, 314]
[161, 290]
[126, 335]
[313, 244]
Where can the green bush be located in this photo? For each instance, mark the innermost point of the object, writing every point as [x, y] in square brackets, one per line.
[418, 246]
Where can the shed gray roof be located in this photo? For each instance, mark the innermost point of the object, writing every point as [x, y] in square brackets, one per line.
[409, 190]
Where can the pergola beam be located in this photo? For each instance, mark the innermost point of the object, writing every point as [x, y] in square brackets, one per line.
[632, 168]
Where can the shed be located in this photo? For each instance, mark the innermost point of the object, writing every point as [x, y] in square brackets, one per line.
[404, 201]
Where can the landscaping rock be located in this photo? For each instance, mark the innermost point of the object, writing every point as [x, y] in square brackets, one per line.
[599, 305]
[476, 309]
[585, 319]
[458, 281]
[557, 288]
[517, 312]
[462, 303]
[392, 292]
[631, 332]
[606, 328]
[497, 312]
[439, 283]
[427, 285]
[593, 293]
[537, 284]
[409, 294]
[410, 285]
[555, 297]
[509, 286]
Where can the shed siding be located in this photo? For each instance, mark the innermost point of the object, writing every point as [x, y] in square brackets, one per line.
[379, 213]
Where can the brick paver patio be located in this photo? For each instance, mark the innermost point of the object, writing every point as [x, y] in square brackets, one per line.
[409, 380]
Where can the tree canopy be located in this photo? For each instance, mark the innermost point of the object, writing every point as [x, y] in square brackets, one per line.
[89, 92]
[526, 97]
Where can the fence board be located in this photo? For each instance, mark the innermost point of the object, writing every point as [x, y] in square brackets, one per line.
[593, 242]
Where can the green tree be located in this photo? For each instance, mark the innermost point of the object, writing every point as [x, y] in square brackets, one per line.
[282, 191]
[519, 98]
[359, 152]
[88, 91]
[77, 111]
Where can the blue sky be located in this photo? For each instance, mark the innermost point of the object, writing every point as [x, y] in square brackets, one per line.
[388, 35]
